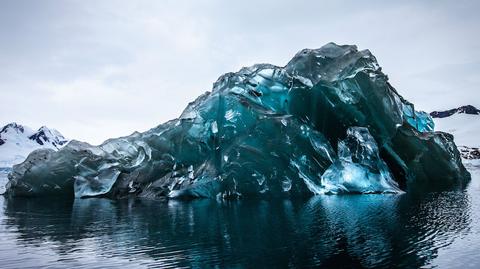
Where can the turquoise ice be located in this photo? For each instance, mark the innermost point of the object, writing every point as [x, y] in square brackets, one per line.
[327, 122]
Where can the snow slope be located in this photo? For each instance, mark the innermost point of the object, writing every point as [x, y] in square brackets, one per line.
[17, 141]
[464, 127]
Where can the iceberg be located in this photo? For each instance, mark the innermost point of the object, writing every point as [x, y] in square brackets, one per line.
[266, 131]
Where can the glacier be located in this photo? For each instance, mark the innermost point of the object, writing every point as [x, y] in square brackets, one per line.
[328, 122]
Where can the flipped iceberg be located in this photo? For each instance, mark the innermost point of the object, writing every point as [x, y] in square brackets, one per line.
[266, 130]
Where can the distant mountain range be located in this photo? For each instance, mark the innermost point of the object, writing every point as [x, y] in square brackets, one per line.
[17, 141]
[469, 109]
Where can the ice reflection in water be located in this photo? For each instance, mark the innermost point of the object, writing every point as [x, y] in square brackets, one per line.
[353, 231]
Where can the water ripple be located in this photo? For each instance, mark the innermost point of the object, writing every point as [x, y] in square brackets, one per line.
[351, 231]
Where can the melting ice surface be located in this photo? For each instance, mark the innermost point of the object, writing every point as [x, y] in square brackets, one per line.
[327, 122]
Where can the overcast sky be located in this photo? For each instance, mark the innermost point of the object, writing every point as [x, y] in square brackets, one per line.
[100, 69]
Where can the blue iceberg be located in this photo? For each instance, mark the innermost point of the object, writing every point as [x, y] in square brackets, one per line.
[266, 131]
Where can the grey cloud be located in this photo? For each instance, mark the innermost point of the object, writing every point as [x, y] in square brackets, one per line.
[101, 69]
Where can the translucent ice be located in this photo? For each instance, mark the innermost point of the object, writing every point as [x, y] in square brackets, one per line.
[420, 120]
[359, 168]
[263, 131]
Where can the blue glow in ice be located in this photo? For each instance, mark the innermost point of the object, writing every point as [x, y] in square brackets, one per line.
[265, 131]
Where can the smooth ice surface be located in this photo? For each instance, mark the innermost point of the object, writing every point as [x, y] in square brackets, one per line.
[418, 119]
[265, 131]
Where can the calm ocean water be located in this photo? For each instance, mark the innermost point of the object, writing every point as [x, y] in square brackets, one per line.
[351, 231]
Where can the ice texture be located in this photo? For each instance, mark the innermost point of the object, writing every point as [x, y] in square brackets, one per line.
[266, 131]
[359, 168]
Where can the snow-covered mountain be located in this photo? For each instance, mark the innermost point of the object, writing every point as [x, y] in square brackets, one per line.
[468, 109]
[17, 141]
[464, 124]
